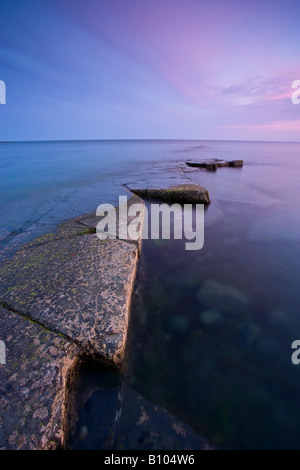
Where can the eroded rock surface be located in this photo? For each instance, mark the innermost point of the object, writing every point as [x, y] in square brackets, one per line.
[79, 286]
[63, 296]
[34, 384]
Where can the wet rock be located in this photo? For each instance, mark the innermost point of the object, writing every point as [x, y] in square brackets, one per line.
[210, 317]
[144, 425]
[178, 324]
[215, 163]
[222, 297]
[35, 384]
[183, 194]
[236, 163]
[122, 419]
[78, 286]
[222, 164]
[207, 166]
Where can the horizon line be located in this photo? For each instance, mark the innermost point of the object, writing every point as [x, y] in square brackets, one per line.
[146, 140]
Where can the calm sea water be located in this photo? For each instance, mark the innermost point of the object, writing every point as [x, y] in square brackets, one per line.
[223, 367]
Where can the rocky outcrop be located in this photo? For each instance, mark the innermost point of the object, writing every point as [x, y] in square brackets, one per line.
[63, 297]
[207, 166]
[214, 164]
[236, 163]
[79, 286]
[183, 194]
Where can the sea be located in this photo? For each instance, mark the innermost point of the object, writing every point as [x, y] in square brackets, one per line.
[212, 330]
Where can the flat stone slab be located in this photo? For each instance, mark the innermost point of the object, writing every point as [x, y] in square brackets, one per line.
[78, 286]
[34, 384]
[87, 224]
[183, 194]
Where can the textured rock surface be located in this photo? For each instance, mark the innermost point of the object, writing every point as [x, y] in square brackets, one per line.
[75, 284]
[78, 286]
[34, 384]
[65, 295]
[183, 194]
[215, 163]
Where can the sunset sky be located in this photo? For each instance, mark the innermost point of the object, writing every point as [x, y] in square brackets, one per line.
[146, 69]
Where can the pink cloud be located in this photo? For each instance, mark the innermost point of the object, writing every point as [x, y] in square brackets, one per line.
[283, 126]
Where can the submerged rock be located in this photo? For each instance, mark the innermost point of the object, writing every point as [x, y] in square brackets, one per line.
[83, 433]
[183, 194]
[122, 419]
[222, 297]
[178, 324]
[248, 332]
[210, 317]
[144, 425]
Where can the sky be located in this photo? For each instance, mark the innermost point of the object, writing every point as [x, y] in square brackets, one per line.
[149, 69]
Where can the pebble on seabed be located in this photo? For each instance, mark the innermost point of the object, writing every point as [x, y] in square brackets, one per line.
[83, 433]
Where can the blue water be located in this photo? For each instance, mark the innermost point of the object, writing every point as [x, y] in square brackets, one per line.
[232, 380]
[44, 183]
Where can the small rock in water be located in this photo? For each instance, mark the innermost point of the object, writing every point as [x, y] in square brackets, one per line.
[210, 317]
[248, 332]
[268, 347]
[220, 296]
[178, 324]
[83, 433]
[236, 163]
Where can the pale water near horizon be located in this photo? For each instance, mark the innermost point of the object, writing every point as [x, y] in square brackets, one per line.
[224, 370]
[44, 183]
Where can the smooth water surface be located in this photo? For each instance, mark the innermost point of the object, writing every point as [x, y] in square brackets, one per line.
[212, 331]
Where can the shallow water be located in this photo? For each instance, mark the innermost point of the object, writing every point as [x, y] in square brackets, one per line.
[220, 363]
